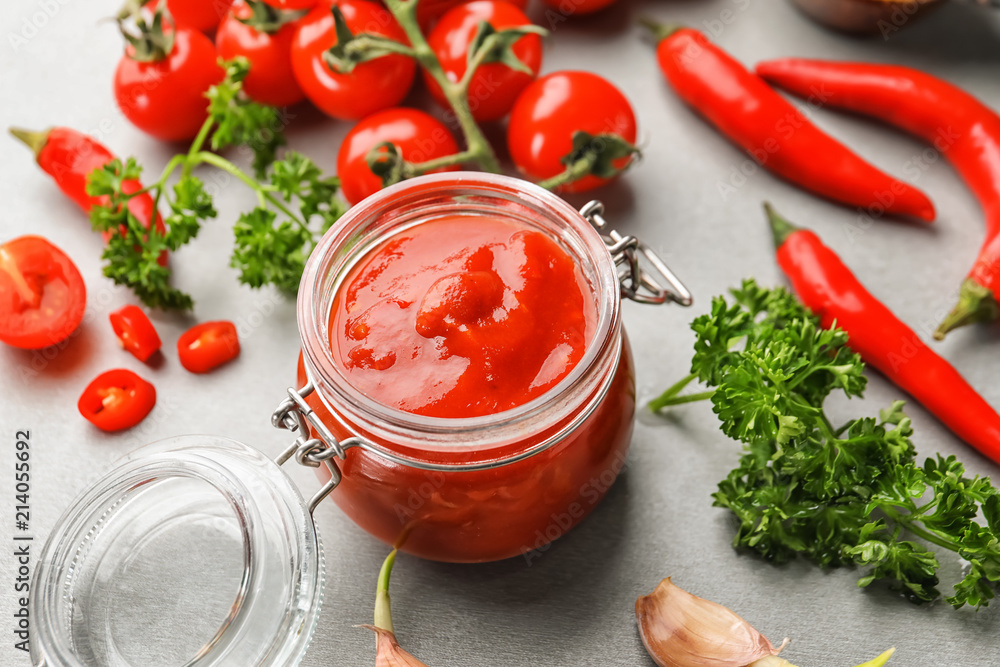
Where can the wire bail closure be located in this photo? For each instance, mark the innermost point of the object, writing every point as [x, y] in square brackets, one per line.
[295, 415]
[637, 283]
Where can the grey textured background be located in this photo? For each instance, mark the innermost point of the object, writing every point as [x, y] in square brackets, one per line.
[574, 605]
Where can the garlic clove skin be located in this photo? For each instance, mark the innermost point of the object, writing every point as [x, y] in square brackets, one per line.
[389, 653]
[679, 629]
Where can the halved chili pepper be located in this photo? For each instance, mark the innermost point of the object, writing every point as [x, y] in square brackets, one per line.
[828, 288]
[135, 332]
[116, 400]
[69, 156]
[208, 345]
[958, 125]
[776, 134]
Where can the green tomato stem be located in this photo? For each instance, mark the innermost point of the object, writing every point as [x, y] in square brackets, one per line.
[574, 172]
[476, 143]
[418, 168]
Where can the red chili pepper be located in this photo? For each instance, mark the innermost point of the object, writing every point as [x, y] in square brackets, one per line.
[956, 123]
[776, 134]
[135, 332]
[116, 400]
[828, 288]
[208, 345]
[69, 156]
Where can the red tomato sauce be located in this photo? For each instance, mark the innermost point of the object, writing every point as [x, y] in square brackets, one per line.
[461, 317]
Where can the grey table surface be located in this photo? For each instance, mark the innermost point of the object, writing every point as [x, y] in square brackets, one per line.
[573, 605]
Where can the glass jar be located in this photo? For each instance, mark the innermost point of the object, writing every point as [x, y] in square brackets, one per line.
[201, 551]
[483, 488]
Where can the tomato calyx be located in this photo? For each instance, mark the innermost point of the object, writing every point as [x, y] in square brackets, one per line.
[594, 154]
[267, 19]
[496, 46]
[351, 50]
[150, 41]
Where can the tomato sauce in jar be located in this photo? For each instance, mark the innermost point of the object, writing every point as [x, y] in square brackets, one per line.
[462, 332]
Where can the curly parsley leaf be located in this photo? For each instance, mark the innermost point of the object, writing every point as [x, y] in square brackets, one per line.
[239, 121]
[847, 495]
[266, 253]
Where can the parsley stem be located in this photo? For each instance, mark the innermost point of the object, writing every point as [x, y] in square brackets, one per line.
[663, 399]
[196, 145]
[679, 400]
[265, 194]
[908, 521]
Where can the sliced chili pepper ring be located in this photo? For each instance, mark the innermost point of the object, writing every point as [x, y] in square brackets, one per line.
[135, 332]
[116, 400]
[208, 345]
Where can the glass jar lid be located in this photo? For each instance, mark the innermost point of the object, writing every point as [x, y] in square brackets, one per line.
[196, 550]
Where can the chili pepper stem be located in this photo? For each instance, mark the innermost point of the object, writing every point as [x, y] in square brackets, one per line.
[34, 140]
[975, 304]
[660, 30]
[383, 605]
[781, 228]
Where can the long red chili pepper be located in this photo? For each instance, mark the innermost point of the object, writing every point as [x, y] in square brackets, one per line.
[959, 126]
[69, 156]
[775, 133]
[828, 288]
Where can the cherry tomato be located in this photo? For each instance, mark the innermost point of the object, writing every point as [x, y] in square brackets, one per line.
[135, 332]
[292, 4]
[549, 111]
[116, 400]
[208, 345]
[371, 86]
[42, 295]
[166, 98]
[494, 86]
[203, 15]
[271, 80]
[429, 11]
[571, 7]
[418, 136]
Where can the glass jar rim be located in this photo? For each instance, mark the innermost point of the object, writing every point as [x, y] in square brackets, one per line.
[316, 348]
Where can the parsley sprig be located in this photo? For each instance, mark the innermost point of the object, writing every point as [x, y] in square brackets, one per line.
[851, 494]
[295, 204]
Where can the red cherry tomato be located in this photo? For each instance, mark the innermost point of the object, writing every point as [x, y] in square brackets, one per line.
[116, 400]
[429, 11]
[42, 296]
[494, 86]
[208, 345]
[418, 136]
[166, 98]
[571, 7]
[371, 86]
[548, 112]
[271, 80]
[292, 4]
[203, 15]
[135, 332]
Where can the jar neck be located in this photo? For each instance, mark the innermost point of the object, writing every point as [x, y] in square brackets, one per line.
[414, 202]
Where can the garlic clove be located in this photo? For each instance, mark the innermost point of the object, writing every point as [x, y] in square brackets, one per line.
[388, 652]
[683, 630]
